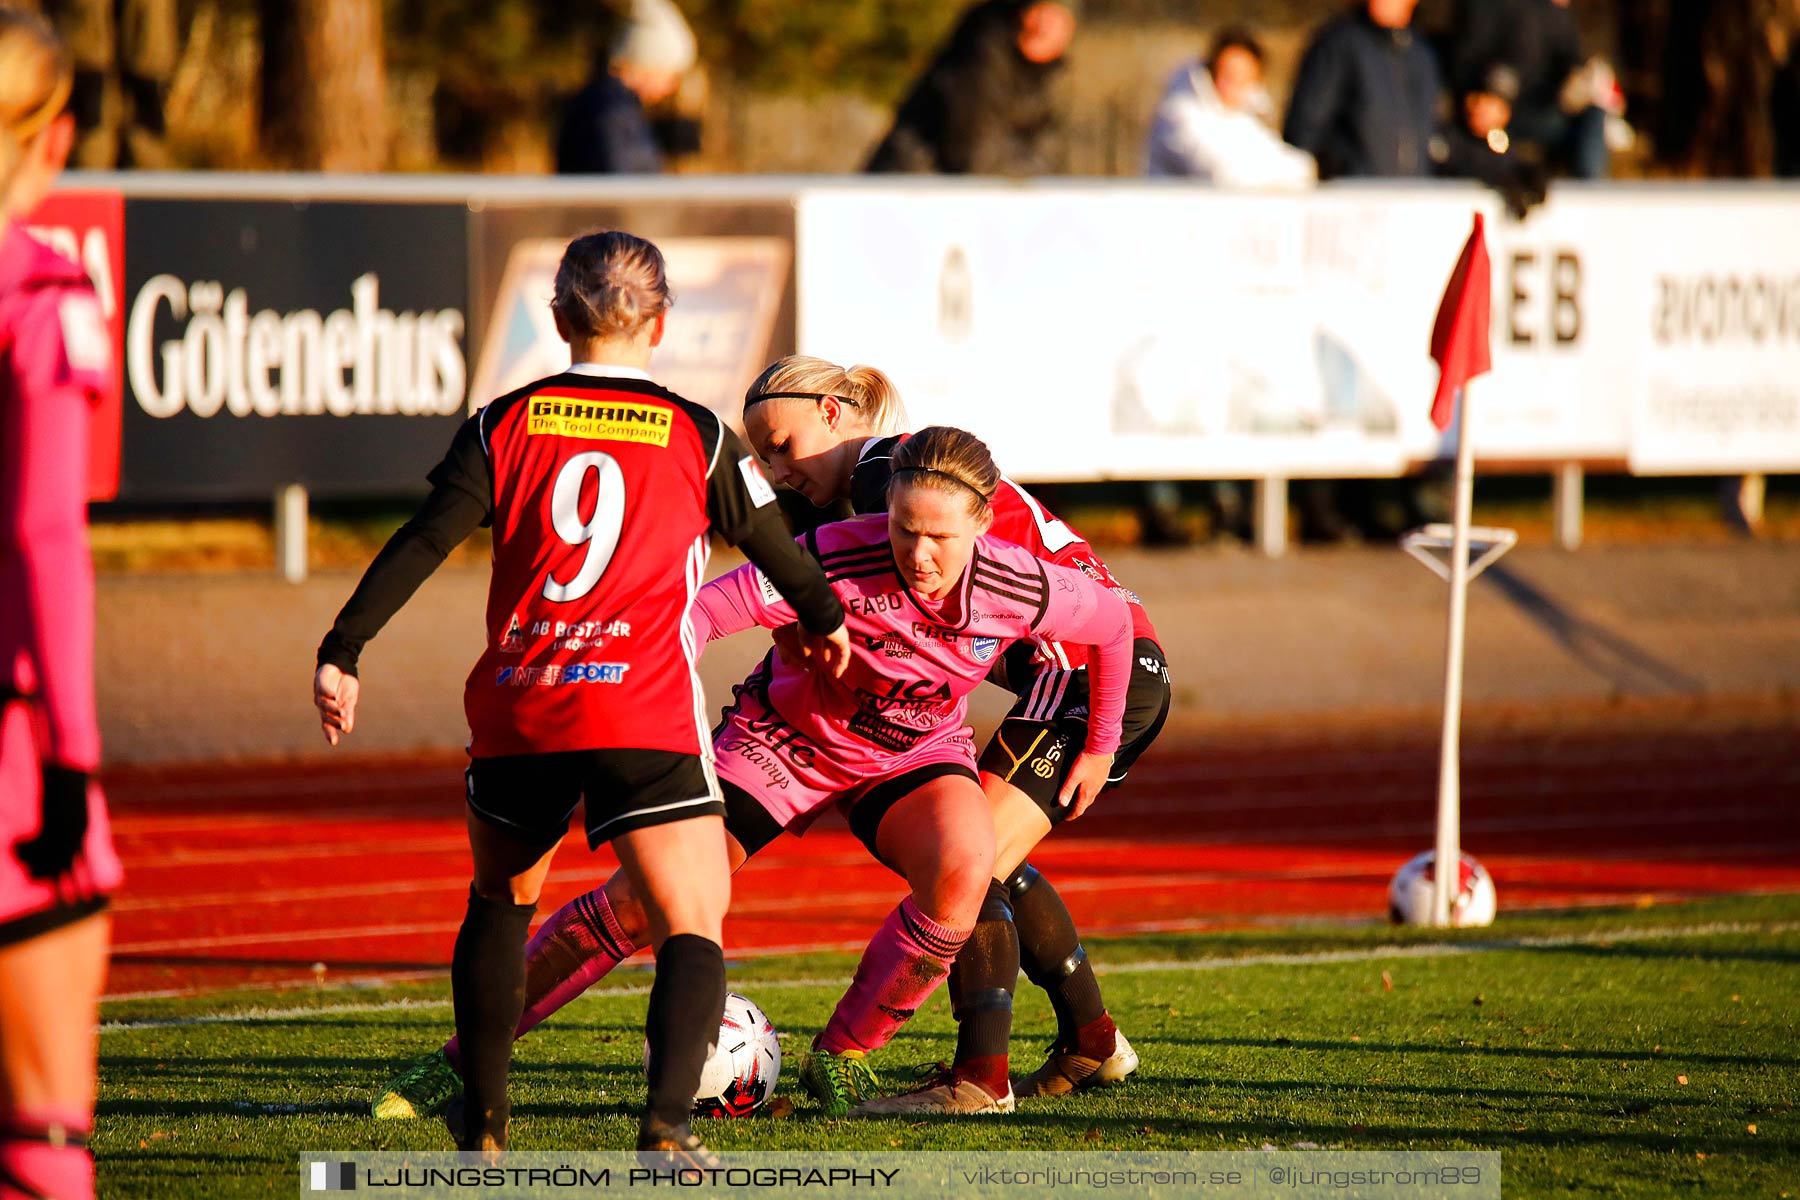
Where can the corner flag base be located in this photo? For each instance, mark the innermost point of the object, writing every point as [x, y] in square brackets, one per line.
[1486, 545]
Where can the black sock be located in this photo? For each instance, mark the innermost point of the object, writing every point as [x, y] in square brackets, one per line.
[981, 992]
[487, 981]
[687, 1002]
[1051, 952]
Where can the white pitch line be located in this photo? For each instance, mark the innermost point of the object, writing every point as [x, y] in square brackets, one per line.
[1312, 958]
[748, 907]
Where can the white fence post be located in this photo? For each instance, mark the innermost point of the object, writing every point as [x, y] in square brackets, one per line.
[290, 532]
[1566, 506]
[1271, 516]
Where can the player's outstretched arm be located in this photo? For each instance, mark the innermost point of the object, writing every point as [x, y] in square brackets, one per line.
[459, 503]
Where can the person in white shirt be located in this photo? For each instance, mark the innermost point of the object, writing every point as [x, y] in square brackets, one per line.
[1211, 123]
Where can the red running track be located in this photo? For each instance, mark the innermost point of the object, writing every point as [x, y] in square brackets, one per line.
[248, 876]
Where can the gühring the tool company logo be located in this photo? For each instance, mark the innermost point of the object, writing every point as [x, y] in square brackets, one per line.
[226, 359]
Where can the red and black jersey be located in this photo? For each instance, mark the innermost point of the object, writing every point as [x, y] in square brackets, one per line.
[1019, 519]
[600, 490]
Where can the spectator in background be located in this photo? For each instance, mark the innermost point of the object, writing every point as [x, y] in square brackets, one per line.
[986, 106]
[1479, 146]
[1365, 105]
[1212, 123]
[1563, 101]
[605, 130]
[1365, 101]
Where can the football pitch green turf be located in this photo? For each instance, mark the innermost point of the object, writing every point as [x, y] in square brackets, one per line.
[1620, 1052]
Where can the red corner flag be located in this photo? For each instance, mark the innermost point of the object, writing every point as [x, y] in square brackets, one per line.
[1459, 340]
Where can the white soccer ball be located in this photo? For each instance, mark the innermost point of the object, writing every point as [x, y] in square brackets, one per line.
[740, 1073]
[1472, 903]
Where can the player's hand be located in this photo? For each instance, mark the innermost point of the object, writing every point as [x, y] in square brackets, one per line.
[787, 645]
[65, 820]
[830, 651]
[334, 695]
[1086, 777]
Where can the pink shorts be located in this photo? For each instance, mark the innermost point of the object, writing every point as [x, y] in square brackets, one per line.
[796, 780]
[31, 906]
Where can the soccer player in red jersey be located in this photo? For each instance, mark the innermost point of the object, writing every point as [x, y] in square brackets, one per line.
[57, 865]
[600, 487]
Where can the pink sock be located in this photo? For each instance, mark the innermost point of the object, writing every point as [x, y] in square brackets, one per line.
[907, 959]
[43, 1156]
[569, 953]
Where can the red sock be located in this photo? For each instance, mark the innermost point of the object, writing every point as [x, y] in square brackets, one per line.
[42, 1156]
[989, 1071]
[1098, 1038]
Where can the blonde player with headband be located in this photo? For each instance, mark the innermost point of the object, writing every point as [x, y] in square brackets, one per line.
[57, 865]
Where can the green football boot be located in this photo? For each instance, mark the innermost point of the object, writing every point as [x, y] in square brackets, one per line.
[839, 1082]
[422, 1090]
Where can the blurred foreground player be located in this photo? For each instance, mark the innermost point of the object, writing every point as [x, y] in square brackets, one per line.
[600, 487]
[58, 865]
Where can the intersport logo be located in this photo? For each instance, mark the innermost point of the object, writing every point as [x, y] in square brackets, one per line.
[355, 361]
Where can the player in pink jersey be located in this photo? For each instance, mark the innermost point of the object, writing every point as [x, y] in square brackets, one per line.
[931, 604]
[821, 429]
[921, 664]
[57, 865]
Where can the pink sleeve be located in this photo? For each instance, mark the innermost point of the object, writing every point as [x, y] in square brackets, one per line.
[1083, 611]
[737, 600]
[47, 594]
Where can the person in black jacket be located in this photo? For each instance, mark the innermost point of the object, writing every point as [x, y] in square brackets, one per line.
[605, 130]
[1365, 104]
[1480, 146]
[1365, 101]
[1540, 40]
[985, 105]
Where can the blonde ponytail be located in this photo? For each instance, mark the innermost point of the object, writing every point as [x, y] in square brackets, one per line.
[869, 395]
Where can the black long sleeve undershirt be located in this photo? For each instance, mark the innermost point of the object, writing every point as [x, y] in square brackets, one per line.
[794, 572]
[417, 548]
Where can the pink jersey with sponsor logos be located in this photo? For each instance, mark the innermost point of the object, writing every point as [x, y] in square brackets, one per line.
[913, 661]
[55, 360]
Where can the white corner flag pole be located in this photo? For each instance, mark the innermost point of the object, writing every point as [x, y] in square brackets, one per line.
[1449, 815]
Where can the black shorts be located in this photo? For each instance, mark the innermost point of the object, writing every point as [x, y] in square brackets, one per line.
[754, 828]
[532, 796]
[748, 822]
[1037, 742]
[870, 807]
